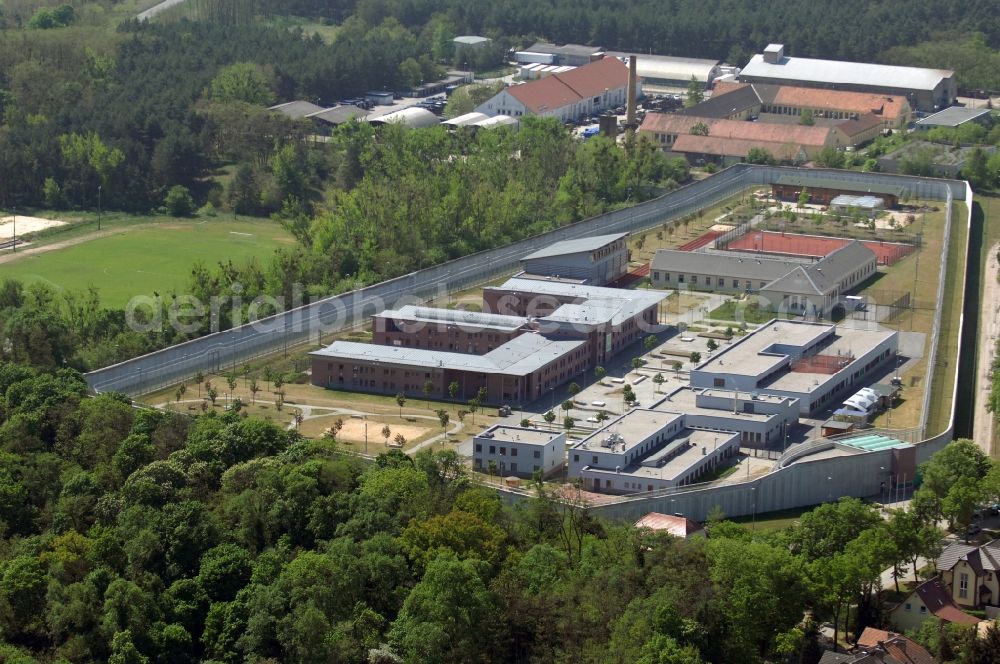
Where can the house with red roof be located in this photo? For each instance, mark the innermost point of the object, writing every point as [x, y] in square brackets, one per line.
[929, 601]
[570, 95]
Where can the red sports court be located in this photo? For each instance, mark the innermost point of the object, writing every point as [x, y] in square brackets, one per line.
[813, 246]
[700, 241]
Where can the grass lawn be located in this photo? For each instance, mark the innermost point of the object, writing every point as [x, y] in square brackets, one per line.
[749, 312]
[771, 521]
[149, 257]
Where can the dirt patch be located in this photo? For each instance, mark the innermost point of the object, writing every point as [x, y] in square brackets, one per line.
[25, 225]
[354, 429]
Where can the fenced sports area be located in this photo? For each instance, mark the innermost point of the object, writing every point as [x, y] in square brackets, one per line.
[812, 246]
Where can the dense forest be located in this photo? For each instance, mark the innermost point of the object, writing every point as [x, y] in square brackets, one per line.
[134, 535]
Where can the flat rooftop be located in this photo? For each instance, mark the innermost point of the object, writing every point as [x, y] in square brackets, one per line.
[849, 343]
[524, 436]
[520, 356]
[625, 303]
[683, 462]
[634, 427]
[471, 319]
[568, 247]
[750, 356]
[953, 117]
[685, 400]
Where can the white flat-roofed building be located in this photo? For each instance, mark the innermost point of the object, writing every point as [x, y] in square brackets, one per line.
[815, 363]
[925, 89]
[645, 450]
[761, 420]
[668, 72]
[519, 451]
[470, 41]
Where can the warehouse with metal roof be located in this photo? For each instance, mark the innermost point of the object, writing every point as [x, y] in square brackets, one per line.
[594, 260]
[925, 89]
[412, 117]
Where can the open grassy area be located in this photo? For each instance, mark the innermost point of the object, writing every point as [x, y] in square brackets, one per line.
[771, 521]
[147, 257]
[750, 312]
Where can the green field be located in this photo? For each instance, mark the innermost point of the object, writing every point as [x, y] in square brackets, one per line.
[155, 257]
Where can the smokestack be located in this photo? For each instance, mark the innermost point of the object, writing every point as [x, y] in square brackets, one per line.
[630, 124]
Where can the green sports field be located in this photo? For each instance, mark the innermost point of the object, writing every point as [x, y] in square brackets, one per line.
[146, 258]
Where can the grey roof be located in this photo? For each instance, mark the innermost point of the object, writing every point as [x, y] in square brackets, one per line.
[953, 116]
[808, 181]
[838, 72]
[296, 109]
[739, 265]
[621, 304]
[592, 243]
[830, 657]
[670, 68]
[338, 115]
[466, 119]
[455, 317]
[851, 200]
[412, 116]
[519, 356]
[725, 105]
[562, 49]
[798, 280]
[470, 40]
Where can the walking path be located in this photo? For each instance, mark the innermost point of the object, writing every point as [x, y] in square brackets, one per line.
[983, 423]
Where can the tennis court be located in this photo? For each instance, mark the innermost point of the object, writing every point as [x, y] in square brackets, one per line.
[813, 246]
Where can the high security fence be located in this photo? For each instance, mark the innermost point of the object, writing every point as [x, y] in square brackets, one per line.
[227, 349]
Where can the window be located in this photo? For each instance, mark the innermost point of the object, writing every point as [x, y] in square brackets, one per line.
[513, 451]
[503, 451]
[907, 607]
[963, 585]
[594, 460]
[680, 278]
[493, 449]
[708, 281]
[923, 610]
[694, 278]
[537, 454]
[479, 447]
[576, 458]
[719, 382]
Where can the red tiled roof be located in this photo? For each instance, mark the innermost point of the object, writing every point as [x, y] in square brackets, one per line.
[871, 637]
[837, 100]
[677, 526]
[813, 136]
[559, 90]
[898, 647]
[734, 147]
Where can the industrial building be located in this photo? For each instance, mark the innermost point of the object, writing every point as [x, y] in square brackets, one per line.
[793, 285]
[580, 92]
[816, 363]
[924, 89]
[956, 116]
[470, 41]
[666, 73]
[412, 117]
[645, 450]
[594, 261]
[546, 53]
[519, 451]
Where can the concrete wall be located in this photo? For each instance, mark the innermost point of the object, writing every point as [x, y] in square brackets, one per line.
[312, 322]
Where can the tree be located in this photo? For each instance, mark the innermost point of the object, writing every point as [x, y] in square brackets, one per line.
[628, 395]
[549, 417]
[243, 82]
[428, 390]
[830, 158]
[473, 407]
[602, 416]
[677, 367]
[566, 405]
[386, 432]
[213, 394]
[199, 378]
[600, 373]
[400, 401]
[525, 423]
[254, 389]
[760, 156]
[649, 343]
[699, 129]
[442, 617]
[178, 201]
[806, 117]
[453, 389]
[712, 345]
[695, 92]
[568, 422]
[983, 650]
[803, 198]
[573, 389]
[659, 380]
[695, 357]
[443, 418]
[400, 440]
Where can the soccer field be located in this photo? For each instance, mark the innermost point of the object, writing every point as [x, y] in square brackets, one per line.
[156, 257]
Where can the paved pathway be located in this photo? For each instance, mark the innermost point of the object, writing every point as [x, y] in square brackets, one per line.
[156, 9]
[982, 431]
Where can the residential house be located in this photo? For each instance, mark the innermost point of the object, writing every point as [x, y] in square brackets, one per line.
[876, 646]
[930, 600]
[970, 573]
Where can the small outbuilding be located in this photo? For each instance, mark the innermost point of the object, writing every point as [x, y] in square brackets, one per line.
[955, 116]
[379, 97]
[412, 117]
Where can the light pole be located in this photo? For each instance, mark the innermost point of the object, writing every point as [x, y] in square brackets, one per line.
[753, 494]
[98, 207]
[829, 489]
